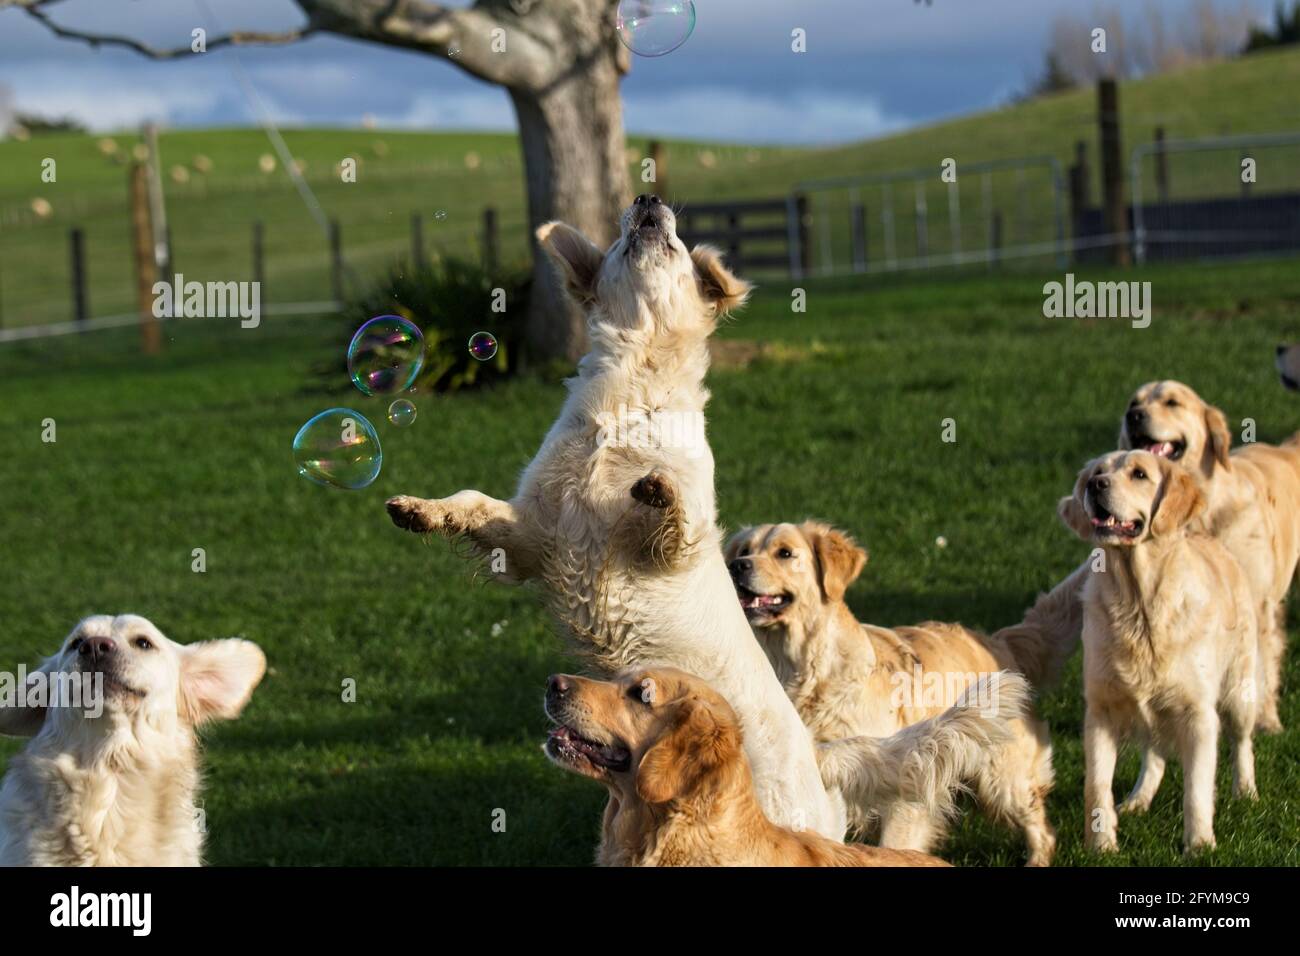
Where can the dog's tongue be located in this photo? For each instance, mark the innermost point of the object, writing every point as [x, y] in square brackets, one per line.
[760, 600]
[1162, 448]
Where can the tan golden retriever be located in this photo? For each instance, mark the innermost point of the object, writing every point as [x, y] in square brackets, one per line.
[615, 520]
[848, 679]
[111, 774]
[669, 749]
[1252, 504]
[1169, 640]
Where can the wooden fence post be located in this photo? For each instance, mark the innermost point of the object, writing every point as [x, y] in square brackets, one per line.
[146, 267]
[490, 240]
[802, 222]
[1112, 170]
[77, 249]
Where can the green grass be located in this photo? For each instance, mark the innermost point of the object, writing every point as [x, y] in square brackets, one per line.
[401, 173]
[840, 419]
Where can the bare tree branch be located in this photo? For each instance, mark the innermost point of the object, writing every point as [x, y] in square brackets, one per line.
[96, 40]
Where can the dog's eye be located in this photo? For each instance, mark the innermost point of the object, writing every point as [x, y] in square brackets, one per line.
[784, 554]
[1171, 402]
[1139, 474]
[143, 643]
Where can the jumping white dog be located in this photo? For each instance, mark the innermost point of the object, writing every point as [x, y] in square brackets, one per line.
[623, 535]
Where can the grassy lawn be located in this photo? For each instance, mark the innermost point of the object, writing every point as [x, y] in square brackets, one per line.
[837, 417]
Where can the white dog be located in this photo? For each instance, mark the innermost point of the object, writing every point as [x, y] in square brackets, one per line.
[619, 526]
[109, 779]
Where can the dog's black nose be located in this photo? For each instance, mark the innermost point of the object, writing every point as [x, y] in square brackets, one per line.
[557, 685]
[647, 199]
[1136, 416]
[1098, 483]
[1281, 350]
[97, 648]
[740, 566]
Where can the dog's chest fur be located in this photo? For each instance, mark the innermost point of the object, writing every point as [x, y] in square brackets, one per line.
[121, 809]
[578, 493]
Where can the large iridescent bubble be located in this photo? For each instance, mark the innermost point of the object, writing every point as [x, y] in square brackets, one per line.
[655, 27]
[338, 447]
[386, 355]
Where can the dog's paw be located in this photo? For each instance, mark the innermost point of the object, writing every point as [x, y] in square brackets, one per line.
[1134, 805]
[412, 514]
[1193, 845]
[655, 490]
[1268, 723]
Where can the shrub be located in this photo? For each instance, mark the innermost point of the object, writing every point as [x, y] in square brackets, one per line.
[451, 299]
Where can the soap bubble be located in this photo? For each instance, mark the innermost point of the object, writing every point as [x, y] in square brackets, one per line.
[386, 355]
[338, 447]
[401, 412]
[655, 27]
[483, 345]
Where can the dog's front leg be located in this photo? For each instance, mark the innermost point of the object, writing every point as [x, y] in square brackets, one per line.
[494, 527]
[1100, 750]
[661, 534]
[1200, 754]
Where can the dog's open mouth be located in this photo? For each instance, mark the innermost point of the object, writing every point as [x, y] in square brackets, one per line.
[1173, 450]
[756, 605]
[566, 745]
[1106, 525]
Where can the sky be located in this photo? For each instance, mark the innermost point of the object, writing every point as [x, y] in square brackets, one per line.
[871, 67]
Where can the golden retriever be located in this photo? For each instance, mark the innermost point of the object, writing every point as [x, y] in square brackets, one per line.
[618, 526]
[669, 749]
[111, 774]
[1169, 640]
[848, 679]
[1252, 504]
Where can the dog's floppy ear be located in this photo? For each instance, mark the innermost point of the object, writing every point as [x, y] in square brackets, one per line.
[218, 678]
[700, 742]
[717, 283]
[1070, 508]
[736, 542]
[26, 721]
[576, 257]
[1180, 501]
[1219, 444]
[839, 559]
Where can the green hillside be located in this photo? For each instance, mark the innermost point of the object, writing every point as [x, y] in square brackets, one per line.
[211, 212]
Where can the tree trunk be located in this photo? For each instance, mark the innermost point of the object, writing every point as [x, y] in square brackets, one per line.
[575, 169]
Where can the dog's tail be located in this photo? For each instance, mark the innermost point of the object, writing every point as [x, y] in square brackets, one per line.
[928, 762]
[1051, 630]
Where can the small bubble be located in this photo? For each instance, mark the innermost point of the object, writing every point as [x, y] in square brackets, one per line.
[440, 215]
[483, 345]
[401, 413]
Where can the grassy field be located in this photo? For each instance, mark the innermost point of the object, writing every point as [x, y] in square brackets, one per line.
[400, 173]
[837, 417]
